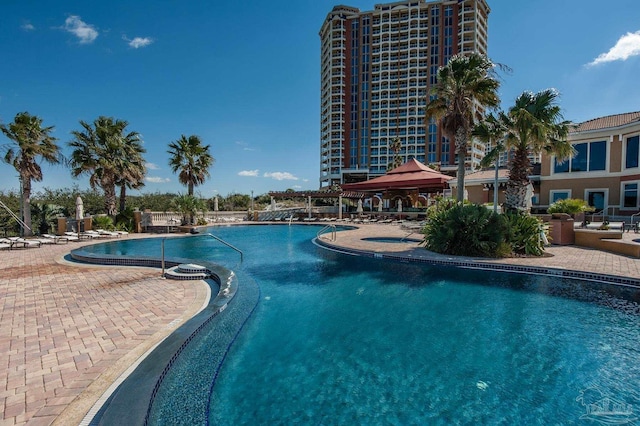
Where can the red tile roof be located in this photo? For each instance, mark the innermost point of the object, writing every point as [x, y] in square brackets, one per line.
[607, 122]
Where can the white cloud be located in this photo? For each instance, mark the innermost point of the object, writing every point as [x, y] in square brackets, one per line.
[138, 42]
[27, 26]
[152, 166]
[280, 176]
[152, 179]
[253, 173]
[627, 46]
[85, 32]
[245, 146]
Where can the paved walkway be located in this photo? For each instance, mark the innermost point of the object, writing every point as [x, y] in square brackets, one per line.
[68, 331]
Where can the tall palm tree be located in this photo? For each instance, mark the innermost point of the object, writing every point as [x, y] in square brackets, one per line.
[106, 153]
[467, 84]
[32, 142]
[191, 159]
[492, 131]
[133, 173]
[535, 124]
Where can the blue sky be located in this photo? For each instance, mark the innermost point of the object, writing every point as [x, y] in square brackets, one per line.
[244, 76]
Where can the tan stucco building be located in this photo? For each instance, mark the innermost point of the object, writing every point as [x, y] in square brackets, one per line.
[605, 171]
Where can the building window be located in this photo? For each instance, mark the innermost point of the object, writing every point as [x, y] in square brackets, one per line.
[590, 157]
[632, 152]
[561, 194]
[630, 195]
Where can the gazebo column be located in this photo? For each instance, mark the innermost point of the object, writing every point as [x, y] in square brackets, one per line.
[340, 206]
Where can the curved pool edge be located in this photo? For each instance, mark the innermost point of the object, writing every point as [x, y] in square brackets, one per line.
[134, 397]
[473, 263]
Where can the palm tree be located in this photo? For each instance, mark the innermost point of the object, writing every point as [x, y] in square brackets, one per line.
[492, 131]
[191, 159]
[464, 86]
[107, 154]
[188, 205]
[535, 124]
[32, 142]
[395, 146]
[133, 174]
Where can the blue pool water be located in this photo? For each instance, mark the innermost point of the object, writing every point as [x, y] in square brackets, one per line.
[337, 339]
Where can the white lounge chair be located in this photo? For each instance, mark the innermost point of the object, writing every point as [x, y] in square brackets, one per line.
[57, 238]
[106, 233]
[21, 242]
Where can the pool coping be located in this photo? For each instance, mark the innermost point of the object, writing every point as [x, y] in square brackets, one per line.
[481, 264]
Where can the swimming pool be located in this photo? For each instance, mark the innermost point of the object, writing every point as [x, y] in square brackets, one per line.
[338, 339]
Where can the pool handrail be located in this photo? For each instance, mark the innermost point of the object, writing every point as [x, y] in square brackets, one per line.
[227, 244]
[209, 235]
[333, 231]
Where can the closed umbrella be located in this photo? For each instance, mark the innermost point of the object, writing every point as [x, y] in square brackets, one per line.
[399, 206]
[215, 204]
[360, 209]
[79, 212]
[380, 205]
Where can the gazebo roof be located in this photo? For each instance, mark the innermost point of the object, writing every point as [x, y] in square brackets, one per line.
[411, 175]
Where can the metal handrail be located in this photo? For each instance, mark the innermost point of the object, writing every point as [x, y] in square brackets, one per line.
[228, 245]
[333, 231]
[13, 215]
[209, 235]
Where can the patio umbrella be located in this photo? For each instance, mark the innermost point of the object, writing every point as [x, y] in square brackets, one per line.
[399, 205]
[380, 205]
[79, 213]
[360, 209]
[79, 208]
[215, 204]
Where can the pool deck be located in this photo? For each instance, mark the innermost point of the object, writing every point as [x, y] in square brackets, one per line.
[68, 331]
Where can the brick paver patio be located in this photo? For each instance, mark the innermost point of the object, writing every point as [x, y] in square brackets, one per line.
[68, 331]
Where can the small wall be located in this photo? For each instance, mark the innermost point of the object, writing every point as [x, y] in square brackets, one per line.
[606, 240]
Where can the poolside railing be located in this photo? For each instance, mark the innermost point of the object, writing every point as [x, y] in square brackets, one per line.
[328, 227]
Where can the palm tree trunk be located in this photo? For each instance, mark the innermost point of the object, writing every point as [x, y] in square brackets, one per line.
[123, 197]
[495, 189]
[516, 193]
[26, 205]
[110, 199]
[461, 150]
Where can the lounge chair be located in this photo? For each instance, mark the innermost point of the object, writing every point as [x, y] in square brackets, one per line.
[57, 238]
[78, 236]
[93, 234]
[21, 242]
[107, 233]
[5, 246]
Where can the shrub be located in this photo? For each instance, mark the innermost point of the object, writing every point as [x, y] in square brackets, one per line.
[569, 206]
[524, 235]
[465, 230]
[102, 222]
[125, 220]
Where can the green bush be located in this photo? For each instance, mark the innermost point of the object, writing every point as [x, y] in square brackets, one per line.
[102, 222]
[125, 220]
[466, 230]
[569, 206]
[524, 235]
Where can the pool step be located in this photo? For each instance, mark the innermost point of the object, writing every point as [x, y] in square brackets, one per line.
[187, 271]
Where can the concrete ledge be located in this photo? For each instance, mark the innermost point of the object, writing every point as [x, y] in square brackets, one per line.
[606, 240]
